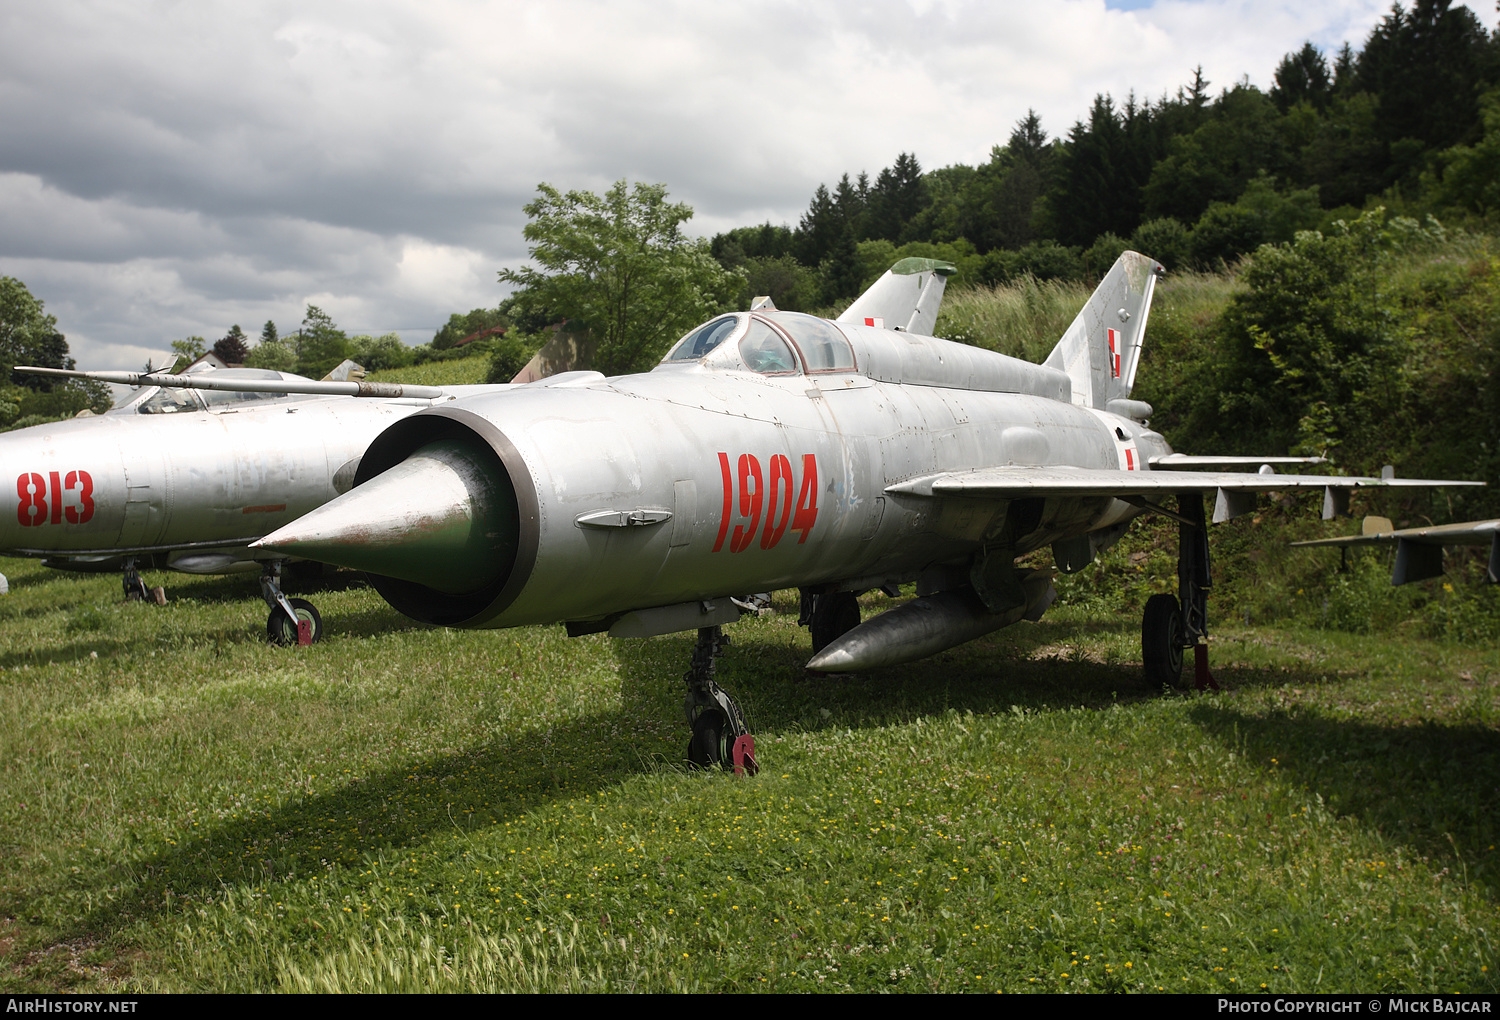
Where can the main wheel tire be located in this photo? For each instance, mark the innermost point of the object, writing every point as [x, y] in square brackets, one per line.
[282, 630]
[837, 614]
[706, 747]
[1162, 642]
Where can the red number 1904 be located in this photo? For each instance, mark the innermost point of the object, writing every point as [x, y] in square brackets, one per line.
[36, 508]
[771, 495]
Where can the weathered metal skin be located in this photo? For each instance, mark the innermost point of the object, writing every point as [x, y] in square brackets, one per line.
[689, 444]
[196, 486]
[771, 450]
[926, 626]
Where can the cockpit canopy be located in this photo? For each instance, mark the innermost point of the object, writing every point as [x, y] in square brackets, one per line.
[173, 400]
[769, 342]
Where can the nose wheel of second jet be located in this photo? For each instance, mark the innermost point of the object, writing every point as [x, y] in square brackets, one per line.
[283, 630]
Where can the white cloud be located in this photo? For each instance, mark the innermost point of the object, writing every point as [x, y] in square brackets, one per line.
[168, 169]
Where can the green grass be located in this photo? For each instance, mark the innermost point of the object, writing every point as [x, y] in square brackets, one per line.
[1023, 319]
[1027, 317]
[458, 372]
[183, 808]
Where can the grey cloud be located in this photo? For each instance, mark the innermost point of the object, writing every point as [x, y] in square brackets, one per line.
[168, 169]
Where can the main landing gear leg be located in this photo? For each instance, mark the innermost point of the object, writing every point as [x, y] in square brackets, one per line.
[828, 616]
[1194, 579]
[1169, 626]
[720, 736]
[292, 621]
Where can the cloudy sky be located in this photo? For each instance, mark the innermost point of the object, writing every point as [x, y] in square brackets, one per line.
[169, 168]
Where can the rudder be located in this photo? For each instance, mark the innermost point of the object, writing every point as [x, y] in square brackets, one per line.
[1101, 349]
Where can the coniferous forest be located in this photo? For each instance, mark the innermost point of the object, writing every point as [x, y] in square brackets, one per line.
[1334, 280]
[1197, 179]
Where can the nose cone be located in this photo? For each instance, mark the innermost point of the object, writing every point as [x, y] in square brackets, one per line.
[443, 518]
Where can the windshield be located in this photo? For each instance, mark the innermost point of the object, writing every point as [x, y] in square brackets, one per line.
[704, 339]
[169, 401]
[218, 400]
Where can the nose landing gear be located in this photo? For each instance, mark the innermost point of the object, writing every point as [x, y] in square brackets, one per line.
[135, 587]
[720, 736]
[292, 621]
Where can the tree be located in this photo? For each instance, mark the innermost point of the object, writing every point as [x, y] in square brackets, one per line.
[460, 326]
[998, 202]
[273, 354]
[1427, 67]
[1101, 171]
[385, 351]
[620, 265]
[895, 200]
[29, 336]
[268, 333]
[1302, 77]
[320, 344]
[762, 242]
[1261, 215]
[820, 229]
[1315, 330]
[232, 347]
[511, 353]
[189, 349]
[1237, 140]
[1468, 180]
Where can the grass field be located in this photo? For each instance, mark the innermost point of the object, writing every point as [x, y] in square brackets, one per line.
[183, 808]
[459, 372]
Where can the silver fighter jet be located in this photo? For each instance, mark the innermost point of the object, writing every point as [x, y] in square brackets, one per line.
[190, 470]
[772, 449]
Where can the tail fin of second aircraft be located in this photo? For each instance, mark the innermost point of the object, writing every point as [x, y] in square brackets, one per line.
[905, 298]
[1101, 349]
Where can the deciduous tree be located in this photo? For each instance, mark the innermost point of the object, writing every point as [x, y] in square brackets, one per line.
[619, 264]
[320, 344]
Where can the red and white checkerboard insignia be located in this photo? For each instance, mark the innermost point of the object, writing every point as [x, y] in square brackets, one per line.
[1114, 353]
[875, 320]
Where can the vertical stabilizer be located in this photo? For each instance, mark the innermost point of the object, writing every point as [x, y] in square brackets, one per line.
[905, 298]
[1101, 349]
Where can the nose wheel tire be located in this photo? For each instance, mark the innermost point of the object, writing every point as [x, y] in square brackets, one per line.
[714, 743]
[283, 630]
[1162, 641]
[706, 746]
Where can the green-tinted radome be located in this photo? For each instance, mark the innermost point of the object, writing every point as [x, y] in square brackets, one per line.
[443, 518]
[912, 266]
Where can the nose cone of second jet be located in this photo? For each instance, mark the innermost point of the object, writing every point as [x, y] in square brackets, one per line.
[441, 518]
